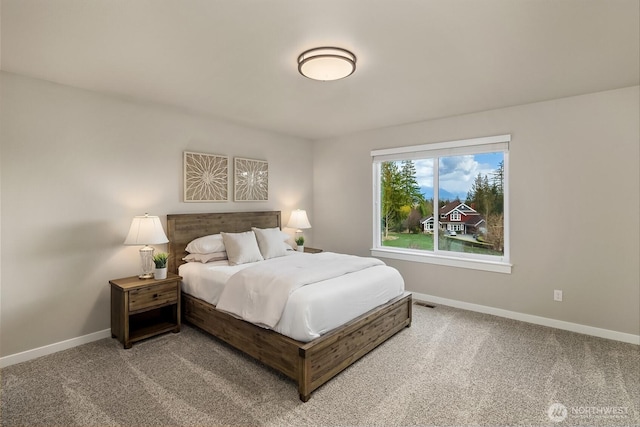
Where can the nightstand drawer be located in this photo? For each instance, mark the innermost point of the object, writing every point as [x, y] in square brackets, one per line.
[153, 296]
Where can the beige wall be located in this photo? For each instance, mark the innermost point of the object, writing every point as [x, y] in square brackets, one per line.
[76, 166]
[574, 167]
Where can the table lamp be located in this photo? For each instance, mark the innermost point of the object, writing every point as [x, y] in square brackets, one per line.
[299, 221]
[146, 230]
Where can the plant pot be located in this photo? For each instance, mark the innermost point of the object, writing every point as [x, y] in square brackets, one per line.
[300, 248]
[160, 273]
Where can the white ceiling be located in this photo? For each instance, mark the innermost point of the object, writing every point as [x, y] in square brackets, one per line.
[417, 59]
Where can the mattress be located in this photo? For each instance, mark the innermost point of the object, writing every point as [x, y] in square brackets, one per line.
[311, 310]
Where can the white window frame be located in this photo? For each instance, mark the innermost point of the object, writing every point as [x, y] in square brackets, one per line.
[499, 264]
[455, 216]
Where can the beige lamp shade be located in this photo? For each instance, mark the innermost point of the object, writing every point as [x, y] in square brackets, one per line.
[146, 230]
[299, 220]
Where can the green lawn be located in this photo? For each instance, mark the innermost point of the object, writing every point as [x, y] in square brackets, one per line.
[425, 242]
[410, 241]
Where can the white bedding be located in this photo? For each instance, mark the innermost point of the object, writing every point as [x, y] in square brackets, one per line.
[311, 310]
[259, 294]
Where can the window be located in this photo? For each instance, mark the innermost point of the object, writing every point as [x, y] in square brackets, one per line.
[444, 203]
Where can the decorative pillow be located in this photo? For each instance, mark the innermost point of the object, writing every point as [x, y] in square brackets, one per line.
[206, 245]
[241, 247]
[271, 242]
[204, 258]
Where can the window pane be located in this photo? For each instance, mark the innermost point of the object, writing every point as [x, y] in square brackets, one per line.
[465, 182]
[406, 204]
[471, 203]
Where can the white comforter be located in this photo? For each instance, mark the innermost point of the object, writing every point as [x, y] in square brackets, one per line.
[258, 294]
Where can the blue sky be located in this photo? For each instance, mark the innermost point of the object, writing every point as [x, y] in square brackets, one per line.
[457, 173]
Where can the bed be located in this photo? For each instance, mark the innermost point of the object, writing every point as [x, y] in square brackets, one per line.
[310, 364]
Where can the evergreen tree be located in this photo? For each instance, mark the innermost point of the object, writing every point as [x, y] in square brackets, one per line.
[409, 184]
[488, 199]
[485, 197]
[475, 195]
[426, 208]
[497, 188]
[498, 178]
[391, 199]
[400, 193]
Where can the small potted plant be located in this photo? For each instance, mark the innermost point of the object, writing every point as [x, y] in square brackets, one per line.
[300, 243]
[160, 260]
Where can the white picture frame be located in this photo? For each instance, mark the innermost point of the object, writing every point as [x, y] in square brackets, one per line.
[206, 177]
[251, 180]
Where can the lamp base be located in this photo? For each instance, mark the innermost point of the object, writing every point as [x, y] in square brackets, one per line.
[146, 262]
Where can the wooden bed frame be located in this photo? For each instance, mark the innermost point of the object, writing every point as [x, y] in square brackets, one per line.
[310, 364]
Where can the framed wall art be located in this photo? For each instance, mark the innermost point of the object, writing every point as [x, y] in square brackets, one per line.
[251, 180]
[206, 177]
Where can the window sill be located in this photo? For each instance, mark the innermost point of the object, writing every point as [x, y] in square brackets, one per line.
[496, 267]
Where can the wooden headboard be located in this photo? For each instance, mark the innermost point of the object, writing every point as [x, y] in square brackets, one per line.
[183, 228]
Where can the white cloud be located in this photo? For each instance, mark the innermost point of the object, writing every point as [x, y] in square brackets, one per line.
[456, 173]
[424, 172]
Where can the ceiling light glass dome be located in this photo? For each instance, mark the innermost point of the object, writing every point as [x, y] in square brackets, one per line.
[326, 63]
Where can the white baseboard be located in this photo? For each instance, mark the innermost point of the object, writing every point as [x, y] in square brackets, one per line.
[544, 321]
[24, 356]
[12, 359]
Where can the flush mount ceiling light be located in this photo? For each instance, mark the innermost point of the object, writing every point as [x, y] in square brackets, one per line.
[326, 63]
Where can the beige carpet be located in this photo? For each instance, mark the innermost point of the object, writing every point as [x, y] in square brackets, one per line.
[452, 367]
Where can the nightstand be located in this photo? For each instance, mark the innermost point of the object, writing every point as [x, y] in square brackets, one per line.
[312, 250]
[143, 308]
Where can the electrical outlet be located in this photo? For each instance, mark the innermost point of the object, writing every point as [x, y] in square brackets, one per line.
[557, 295]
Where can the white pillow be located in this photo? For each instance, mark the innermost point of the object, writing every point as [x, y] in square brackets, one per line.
[271, 242]
[241, 247]
[204, 258]
[206, 244]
